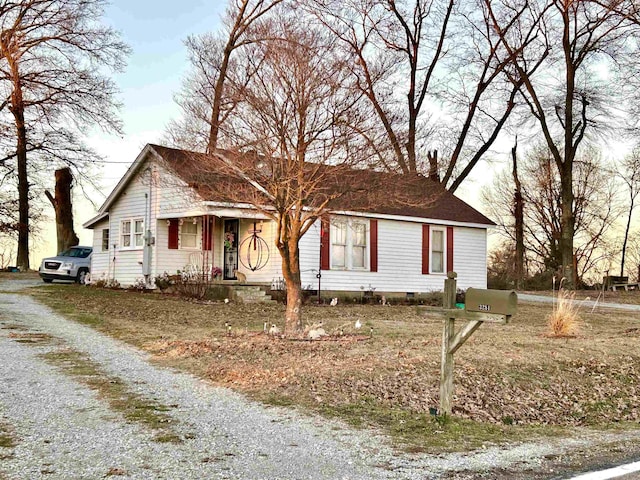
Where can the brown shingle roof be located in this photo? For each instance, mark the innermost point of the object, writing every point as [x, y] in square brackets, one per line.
[367, 191]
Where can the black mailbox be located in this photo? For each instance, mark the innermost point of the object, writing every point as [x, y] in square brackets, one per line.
[499, 302]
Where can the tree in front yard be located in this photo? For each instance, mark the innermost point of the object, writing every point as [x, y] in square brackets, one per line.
[52, 59]
[294, 144]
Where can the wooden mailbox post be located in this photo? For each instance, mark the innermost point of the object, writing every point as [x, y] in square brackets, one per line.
[480, 306]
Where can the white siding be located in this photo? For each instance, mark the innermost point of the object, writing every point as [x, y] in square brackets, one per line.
[310, 258]
[167, 260]
[470, 257]
[99, 258]
[400, 261]
[273, 268]
[126, 265]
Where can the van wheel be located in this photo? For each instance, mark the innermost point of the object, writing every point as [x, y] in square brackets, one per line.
[82, 274]
[47, 280]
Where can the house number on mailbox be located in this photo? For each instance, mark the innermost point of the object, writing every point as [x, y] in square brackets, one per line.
[484, 307]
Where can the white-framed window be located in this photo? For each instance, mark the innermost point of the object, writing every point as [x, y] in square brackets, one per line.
[437, 250]
[349, 244]
[105, 239]
[188, 234]
[338, 244]
[138, 233]
[359, 245]
[132, 233]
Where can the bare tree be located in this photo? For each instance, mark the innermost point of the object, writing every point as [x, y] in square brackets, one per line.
[53, 53]
[7, 251]
[595, 210]
[633, 256]
[567, 97]
[629, 173]
[425, 68]
[501, 271]
[205, 98]
[292, 124]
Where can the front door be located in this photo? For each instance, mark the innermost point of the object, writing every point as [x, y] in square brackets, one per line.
[230, 248]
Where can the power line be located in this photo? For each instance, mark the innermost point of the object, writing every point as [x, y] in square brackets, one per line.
[110, 161]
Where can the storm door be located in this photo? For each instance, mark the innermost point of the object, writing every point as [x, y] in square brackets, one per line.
[230, 248]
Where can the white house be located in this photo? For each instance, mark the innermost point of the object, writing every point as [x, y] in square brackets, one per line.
[155, 221]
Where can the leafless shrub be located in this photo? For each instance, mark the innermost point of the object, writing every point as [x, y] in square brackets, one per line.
[192, 286]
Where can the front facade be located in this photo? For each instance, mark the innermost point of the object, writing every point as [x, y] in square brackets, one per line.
[155, 222]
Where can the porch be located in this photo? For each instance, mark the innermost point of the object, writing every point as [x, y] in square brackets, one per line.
[220, 249]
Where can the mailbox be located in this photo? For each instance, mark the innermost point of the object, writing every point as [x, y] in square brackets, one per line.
[499, 302]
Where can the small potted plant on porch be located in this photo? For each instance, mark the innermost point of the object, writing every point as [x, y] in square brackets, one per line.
[216, 273]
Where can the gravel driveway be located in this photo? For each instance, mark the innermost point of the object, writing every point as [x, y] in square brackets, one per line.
[62, 429]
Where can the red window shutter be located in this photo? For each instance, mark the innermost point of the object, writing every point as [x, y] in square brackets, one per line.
[173, 234]
[207, 233]
[373, 249]
[449, 249]
[425, 249]
[325, 243]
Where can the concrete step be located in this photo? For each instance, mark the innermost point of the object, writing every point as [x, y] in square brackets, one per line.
[251, 294]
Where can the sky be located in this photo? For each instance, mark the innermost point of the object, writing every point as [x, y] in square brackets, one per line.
[155, 30]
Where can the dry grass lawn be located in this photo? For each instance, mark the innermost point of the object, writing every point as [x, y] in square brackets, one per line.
[512, 381]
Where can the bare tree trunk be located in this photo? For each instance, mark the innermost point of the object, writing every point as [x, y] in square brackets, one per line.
[568, 227]
[626, 235]
[17, 109]
[518, 215]
[434, 174]
[217, 101]
[23, 198]
[62, 205]
[291, 273]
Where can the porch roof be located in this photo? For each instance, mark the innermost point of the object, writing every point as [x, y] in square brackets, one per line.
[216, 211]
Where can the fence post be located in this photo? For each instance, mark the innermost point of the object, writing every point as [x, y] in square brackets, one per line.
[446, 368]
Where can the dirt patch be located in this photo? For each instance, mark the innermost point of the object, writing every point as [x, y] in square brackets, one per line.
[32, 337]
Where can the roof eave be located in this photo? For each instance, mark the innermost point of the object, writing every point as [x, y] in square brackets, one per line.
[407, 218]
[98, 218]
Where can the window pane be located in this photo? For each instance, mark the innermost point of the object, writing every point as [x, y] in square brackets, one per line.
[188, 241]
[105, 239]
[437, 251]
[358, 257]
[359, 234]
[139, 240]
[126, 228]
[438, 244]
[437, 261]
[337, 256]
[126, 240]
[339, 233]
[139, 226]
[190, 228]
[188, 234]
